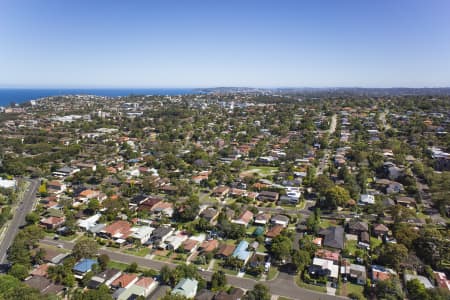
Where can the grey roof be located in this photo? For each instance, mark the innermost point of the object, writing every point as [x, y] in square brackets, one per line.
[333, 237]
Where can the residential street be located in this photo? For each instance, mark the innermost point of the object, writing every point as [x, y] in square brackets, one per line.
[284, 285]
[23, 208]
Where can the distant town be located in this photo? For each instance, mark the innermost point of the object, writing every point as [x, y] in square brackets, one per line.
[227, 194]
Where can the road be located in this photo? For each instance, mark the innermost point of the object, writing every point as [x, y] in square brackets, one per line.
[323, 163]
[23, 208]
[284, 285]
[383, 119]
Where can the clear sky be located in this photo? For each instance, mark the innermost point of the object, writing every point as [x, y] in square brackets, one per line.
[192, 43]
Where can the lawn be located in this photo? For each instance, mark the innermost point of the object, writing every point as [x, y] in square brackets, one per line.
[142, 251]
[349, 287]
[117, 265]
[262, 171]
[308, 286]
[273, 272]
[374, 242]
[351, 247]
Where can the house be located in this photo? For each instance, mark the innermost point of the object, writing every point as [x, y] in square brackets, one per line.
[321, 267]
[124, 281]
[44, 285]
[380, 230]
[357, 227]
[442, 281]
[221, 191]
[65, 171]
[205, 295]
[190, 245]
[274, 231]
[173, 242]
[262, 218]
[241, 252]
[149, 203]
[280, 220]
[163, 208]
[117, 230]
[208, 246]
[357, 274]
[244, 219]
[86, 224]
[233, 294]
[160, 234]
[52, 222]
[143, 287]
[142, 233]
[380, 273]
[365, 199]
[106, 277]
[406, 201]
[333, 237]
[187, 287]
[209, 214]
[225, 250]
[40, 270]
[8, 184]
[83, 266]
[56, 187]
[268, 196]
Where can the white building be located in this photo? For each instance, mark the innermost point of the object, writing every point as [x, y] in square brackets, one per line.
[8, 184]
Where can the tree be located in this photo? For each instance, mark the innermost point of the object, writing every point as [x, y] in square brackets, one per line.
[392, 255]
[301, 259]
[416, 290]
[389, 289]
[32, 218]
[94, 205]
[19, 271]
[281, 247]
[334, 197]
[132, 268]
[85, 248]
[259, 292]
[218, 281]
[165, 274]
[103, 261]
[306, 244]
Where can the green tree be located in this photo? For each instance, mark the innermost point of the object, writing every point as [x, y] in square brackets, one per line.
[85, 248]
[103, 261]
[301, 259]
[416, 290]
[392, 255]
[32, 218]
[334, 197]
[259, 292]
[218, 281]
[19, 271]
[281, 247]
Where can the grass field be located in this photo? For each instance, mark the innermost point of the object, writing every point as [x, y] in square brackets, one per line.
[260, 171]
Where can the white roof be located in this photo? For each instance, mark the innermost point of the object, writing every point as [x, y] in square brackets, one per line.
[328, 265]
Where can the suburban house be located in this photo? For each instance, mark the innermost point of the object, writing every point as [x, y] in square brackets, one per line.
[83, 266]
[106, 277]
[124, 281]
[208, 246]
[187, 287]
[380, 273]
[221, 191]
[142, 233]
[322, 267]
[357, 274]
[268, 196]
[118, 230]
[160, 234]
[274, 231]
[333, 237]
[280, 220]
[366, 199]
[241, 252]
[143, 287]
[262, 218]
[56, 187]
[209, 214]
[244, 219]
[86, 224]
[52, 222]
[380, 230]
[225, 250]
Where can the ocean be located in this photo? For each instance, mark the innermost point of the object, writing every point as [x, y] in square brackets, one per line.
[17, 95]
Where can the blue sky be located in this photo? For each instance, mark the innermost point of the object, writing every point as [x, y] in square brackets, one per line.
[190, 43]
